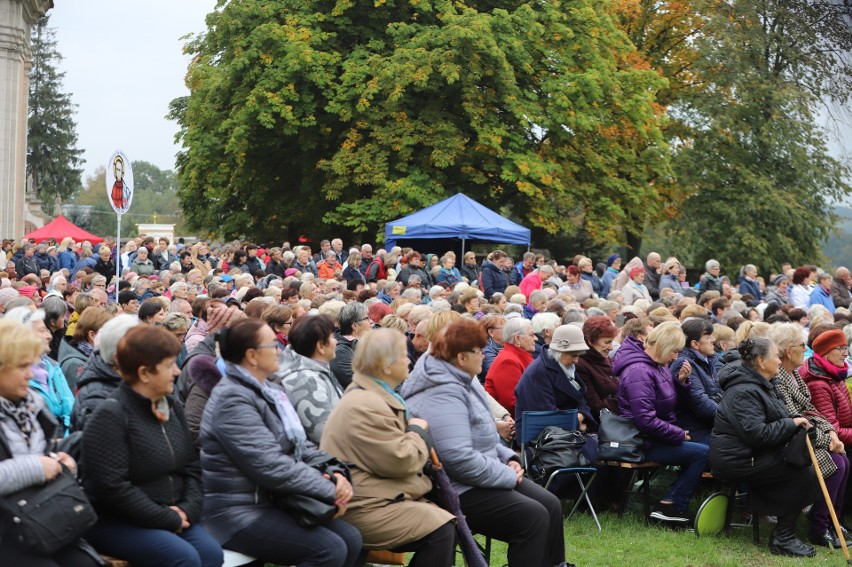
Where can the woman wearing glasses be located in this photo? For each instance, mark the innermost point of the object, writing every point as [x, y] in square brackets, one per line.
[829, 449]
[495, 498]
[254, 446]
[306, 372]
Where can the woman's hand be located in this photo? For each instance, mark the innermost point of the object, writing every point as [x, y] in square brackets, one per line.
[686, 436]
[184, 520]
[802, 422]
[519, 470]
[684, 373]
[421, 423]
[50, 467]
[67, 460]
[343, 490]
[506, 429]
[581, 422]
[835, 445]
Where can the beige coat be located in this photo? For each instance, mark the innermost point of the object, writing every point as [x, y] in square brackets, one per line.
[366, 430]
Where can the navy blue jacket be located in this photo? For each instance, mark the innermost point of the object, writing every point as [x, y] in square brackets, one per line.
[699, 411]
[493, 279]
[597, 284]
[544, 386]
[750, 287]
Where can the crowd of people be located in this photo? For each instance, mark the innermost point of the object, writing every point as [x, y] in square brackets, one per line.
[212, 386]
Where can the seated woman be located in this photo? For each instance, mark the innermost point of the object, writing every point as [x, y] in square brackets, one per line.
[494, 496]
[254, 446]
[647, 395]
[369, 430]
[26, 430]
[306, 375]
[594, 366]
[551, 383]
[510, 363]
[751, 431]
[696, 416]
[47, 379]
[142, 470]
[829, 450]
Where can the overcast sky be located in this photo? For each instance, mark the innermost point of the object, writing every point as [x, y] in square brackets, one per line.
[123, 64]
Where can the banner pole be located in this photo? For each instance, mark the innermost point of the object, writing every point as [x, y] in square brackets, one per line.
[117, 254]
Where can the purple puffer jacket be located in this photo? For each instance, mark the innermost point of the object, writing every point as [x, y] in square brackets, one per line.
[647, 393]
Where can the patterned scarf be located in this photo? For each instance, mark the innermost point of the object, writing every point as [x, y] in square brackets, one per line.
[288, 416]
[85, 348]
[22, 413]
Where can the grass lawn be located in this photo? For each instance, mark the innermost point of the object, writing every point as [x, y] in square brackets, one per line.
[628, 542]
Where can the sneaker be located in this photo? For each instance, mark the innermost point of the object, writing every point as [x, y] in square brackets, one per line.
[666, 512]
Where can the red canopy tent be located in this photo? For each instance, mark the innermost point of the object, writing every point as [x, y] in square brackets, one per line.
[61, 227]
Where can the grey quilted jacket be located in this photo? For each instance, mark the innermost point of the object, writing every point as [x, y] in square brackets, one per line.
[246, 457]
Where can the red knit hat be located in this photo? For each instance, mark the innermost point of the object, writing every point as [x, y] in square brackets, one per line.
[829, 340]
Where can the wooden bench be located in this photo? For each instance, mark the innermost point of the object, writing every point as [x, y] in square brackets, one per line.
[385, 557]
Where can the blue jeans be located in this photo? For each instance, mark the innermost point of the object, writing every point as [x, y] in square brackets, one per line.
[693, 459]
[147, 547]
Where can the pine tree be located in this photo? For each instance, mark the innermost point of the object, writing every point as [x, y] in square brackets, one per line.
[53, 159]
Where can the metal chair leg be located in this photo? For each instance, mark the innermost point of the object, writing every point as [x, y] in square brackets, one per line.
[584, 494]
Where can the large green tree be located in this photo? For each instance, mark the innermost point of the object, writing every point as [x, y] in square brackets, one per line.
[53, 159]
[761, 184]
[308, 115]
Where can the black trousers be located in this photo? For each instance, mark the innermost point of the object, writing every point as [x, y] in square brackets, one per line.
[437, 549]
[528, 518]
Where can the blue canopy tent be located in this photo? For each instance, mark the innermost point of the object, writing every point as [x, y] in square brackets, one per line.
[456, 218]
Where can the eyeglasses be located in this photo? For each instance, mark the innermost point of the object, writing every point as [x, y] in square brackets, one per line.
[276, 346]
[99, 285]
[476, 352]
[841, 348]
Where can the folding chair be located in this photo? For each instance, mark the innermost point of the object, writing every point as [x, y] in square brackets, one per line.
[533, 423]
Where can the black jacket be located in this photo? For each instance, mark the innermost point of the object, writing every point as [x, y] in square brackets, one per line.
[752, 424]
[341, 366]
[472, 273]
[136, 467]
[26, 266]
[106, 269]
[97, 381]
[408, 271]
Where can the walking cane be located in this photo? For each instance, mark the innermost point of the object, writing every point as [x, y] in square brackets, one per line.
[828, 503]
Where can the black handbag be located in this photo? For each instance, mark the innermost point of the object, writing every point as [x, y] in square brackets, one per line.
[48, 517]
[796, 450]
[309, 511]
[556, 448]
[619, 439]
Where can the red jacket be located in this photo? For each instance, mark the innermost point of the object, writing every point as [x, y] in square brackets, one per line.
[830, 397]
[505, 373]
